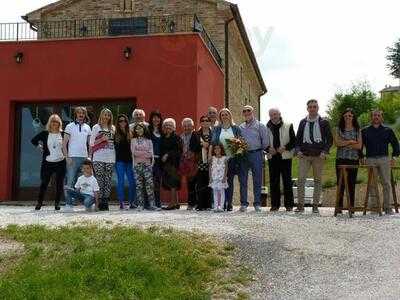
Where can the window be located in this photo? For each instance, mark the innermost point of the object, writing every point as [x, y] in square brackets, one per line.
[127, 5]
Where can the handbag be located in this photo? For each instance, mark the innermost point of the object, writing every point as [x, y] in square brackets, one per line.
[188, 167]
[100, 145]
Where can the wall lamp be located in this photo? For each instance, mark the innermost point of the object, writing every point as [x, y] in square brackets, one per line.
[127, 52]
[19, 57]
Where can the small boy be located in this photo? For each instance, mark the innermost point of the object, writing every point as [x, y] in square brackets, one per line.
[86, 189]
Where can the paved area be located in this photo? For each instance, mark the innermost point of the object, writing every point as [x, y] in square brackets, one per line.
[294, 256]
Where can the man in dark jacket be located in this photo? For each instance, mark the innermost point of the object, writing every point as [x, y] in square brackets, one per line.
[376, 139]
[313, 141]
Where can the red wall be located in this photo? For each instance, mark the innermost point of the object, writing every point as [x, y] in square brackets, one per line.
[164, 73]
[209, 86]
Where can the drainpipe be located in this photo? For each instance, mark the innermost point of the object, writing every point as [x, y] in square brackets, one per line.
[227, 61]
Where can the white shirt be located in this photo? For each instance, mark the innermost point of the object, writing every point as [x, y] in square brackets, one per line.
[226, 134]
[87, 185]
[78, 136]
[106, 154]
[54, 143]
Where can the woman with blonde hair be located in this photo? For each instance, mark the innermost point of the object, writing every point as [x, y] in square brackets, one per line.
[50, 141]
[224, 131]
[103, 152]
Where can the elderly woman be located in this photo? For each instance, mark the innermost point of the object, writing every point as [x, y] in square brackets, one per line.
[224, 131]
[50, 141]
[188, 166]
[200, 144]
[170, 153]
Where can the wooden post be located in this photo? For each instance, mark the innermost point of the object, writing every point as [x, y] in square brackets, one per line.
[393, 183]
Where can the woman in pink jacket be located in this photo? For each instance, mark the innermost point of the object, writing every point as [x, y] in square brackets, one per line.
[143, 159]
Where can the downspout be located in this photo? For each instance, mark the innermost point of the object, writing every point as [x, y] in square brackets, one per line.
[227, 61]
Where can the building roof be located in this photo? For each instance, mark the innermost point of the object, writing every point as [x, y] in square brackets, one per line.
[29, 16]
[391, 89]
[242, 29]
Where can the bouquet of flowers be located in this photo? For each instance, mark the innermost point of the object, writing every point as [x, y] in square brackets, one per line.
[237, 146]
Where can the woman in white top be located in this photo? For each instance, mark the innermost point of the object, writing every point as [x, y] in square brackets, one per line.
[50, 141]
[102, 149]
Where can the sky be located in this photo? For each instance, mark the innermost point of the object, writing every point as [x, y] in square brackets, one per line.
[305, 49]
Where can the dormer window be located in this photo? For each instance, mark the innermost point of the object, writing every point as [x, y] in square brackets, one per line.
[127, 5]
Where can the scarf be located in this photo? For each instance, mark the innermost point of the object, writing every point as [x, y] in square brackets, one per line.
[186, 141]
[316, 131]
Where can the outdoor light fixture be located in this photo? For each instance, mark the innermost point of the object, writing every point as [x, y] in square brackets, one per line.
[172, 26]
[128, 52]
[18, 57]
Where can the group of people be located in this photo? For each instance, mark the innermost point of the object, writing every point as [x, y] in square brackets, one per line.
[151, 155]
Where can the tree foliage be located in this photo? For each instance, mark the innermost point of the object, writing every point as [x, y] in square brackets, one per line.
[359, 97]
[393, 58]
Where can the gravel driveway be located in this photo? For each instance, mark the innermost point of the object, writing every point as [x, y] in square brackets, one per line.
[294, 257]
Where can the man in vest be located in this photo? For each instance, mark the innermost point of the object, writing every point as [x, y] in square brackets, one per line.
[313, 141]
[280, 153]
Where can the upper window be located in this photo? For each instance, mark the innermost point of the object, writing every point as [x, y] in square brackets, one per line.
[127, 5]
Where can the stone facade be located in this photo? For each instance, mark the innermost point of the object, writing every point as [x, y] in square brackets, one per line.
[244, 86]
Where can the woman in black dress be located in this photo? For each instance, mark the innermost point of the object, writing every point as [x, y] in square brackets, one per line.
[170, 153]
[155, 128]
[199, 144]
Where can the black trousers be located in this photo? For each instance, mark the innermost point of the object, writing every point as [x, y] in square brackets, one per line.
[278, 168]
[203, 191]
[46, 171]
[352, 179]
[191, 187]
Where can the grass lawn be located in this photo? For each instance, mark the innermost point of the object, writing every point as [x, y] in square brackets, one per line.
[90, 262]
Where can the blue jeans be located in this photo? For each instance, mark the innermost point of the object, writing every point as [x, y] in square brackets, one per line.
[234, 168]
[123, 168]
[72, 196]
[255, 163]
[73, 170]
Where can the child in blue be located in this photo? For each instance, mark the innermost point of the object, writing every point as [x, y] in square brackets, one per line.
[86, 189]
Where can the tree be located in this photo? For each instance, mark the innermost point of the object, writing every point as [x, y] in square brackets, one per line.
[393, 57]
[359, 97]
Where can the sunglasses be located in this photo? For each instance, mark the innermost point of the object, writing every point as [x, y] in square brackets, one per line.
[205, 120]
[246, 110]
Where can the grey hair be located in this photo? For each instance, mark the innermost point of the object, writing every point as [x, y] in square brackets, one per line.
[274, 110]
[187, 120]
[137, 110]
[169, 121]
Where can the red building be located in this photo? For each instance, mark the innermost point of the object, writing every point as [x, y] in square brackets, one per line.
[175, 73]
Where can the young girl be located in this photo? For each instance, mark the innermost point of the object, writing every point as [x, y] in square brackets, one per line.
[218, 176]
[143, 160]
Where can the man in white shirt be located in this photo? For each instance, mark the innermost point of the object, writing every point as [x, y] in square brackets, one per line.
[75, 144]
[213, 116]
